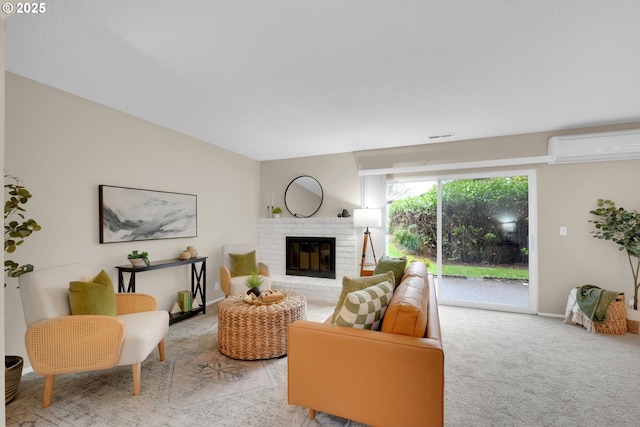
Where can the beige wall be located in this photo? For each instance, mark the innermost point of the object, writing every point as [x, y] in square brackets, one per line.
[337, 174]
[63, 147]
[565, 195]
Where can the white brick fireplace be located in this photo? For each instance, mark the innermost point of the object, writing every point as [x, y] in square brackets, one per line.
[272, 233]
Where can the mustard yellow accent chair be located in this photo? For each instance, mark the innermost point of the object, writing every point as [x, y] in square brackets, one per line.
[233, 284]
[58, 342]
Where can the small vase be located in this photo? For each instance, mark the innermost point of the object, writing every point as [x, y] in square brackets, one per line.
[276, 215]
[255, 290]
[185, 255]
[193, 251]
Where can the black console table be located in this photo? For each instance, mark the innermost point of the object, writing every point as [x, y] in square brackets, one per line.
[198, 281]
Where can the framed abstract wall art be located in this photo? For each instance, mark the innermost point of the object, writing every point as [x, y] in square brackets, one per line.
[130, 214]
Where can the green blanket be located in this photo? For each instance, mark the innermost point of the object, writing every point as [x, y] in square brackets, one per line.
[594, 302]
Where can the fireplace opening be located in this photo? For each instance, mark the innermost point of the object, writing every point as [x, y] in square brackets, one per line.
[311, 256]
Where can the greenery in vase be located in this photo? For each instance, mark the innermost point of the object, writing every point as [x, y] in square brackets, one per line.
[276, 210]
[143, 255]
[623, 228]
[254, 281]
[17, 228]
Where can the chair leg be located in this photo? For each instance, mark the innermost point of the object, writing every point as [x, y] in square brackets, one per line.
[135, 368]
[48, 390]
[161, 350]
[312, 414]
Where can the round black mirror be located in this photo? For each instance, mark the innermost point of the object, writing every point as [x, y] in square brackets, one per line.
[303, 196]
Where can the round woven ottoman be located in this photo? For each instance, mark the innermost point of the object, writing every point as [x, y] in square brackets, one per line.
[257, 331]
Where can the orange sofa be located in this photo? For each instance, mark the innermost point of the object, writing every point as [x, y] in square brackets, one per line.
[391, 377]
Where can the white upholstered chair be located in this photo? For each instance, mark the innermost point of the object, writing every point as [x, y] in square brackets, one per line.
[60, 343]
[233, 285]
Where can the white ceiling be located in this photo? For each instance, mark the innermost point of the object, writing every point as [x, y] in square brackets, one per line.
[280, 79]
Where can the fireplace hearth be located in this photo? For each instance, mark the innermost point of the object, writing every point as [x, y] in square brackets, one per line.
[311, 256]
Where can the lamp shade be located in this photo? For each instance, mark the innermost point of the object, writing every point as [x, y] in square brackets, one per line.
[367, 217]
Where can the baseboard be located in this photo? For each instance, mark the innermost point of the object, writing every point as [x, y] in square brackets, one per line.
[215, 301]
[558, 316]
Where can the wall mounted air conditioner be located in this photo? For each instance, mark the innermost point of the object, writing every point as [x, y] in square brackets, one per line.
[592, 147]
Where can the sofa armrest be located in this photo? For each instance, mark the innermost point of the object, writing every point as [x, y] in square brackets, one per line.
[134, 303]
[367, 376]
[74, 344]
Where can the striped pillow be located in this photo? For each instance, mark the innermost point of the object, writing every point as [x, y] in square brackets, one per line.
[364, 309]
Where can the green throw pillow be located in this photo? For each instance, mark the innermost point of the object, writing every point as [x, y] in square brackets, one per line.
[389, 263]
[243, 264]
[94, 297]
[352, 284]
[365, 309]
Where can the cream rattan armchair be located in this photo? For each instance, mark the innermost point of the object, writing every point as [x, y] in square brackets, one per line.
[60, 343]
[236, 285]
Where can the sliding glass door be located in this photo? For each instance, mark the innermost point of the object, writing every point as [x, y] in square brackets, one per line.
[475, 233]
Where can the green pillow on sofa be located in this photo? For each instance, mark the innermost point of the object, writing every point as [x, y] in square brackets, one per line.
[352, 284]
[389, 263]
[365, 309]
[93, 297]
[243, 264]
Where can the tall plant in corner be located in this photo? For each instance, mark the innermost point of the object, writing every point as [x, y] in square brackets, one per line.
[16, 227]
[623, 228]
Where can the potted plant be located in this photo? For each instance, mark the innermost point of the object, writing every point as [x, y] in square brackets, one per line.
[16, 229]
[137, 259]
[276, 212]
[623, 228]
[254, 282]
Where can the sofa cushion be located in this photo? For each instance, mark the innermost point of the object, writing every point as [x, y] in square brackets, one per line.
[389, 263]
[408, 310]
[352, 284]
[142, 333]
[93, 297]
[365, 309]
[243, 264]
[416, 268]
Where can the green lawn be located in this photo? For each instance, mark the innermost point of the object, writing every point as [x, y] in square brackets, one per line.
[470, 270]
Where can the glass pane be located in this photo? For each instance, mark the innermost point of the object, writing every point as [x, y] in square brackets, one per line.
[413, 222]
[483, 257]
[325, 257]
[314, 261]
[485, 229]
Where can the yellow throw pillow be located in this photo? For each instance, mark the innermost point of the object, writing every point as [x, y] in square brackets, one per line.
[94, 297]
[243, 264]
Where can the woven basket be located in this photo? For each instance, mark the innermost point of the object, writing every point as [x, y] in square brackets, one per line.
[251, 332]
[12, 376]
[616, 323]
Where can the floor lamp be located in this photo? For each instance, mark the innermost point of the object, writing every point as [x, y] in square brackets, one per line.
[366, 218]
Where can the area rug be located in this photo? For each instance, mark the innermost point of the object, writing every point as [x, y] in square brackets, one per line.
[501, 369]
[195, 385]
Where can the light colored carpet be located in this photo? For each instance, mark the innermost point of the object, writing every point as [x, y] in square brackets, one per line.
[502, 369]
